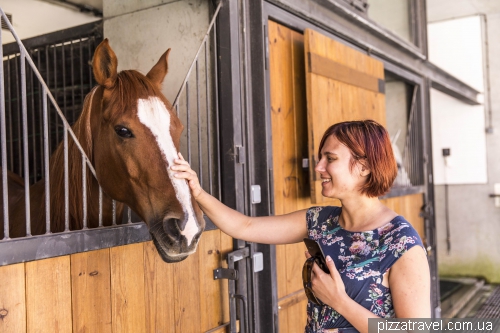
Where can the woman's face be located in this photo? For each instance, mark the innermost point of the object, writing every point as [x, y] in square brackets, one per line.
[338, 180]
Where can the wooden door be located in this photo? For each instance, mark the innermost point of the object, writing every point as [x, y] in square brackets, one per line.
[300, 95]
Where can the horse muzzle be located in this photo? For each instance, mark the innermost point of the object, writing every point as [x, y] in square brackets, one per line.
[170, 242]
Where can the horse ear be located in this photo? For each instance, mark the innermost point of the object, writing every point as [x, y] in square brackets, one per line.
[105, 65]
[158, 72]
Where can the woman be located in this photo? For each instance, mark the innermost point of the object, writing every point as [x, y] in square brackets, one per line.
[376, 267]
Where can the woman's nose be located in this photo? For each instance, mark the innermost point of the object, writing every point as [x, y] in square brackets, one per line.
[320, 167]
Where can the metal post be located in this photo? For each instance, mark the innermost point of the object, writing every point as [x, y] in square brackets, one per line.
[4, 150]
[46, 157]
[25, 144]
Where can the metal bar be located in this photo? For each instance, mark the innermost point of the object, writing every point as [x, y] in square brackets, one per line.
[52, 99]
[48, 82]
[188, 125]
[209, 132]
[72, 83]
[40, 94]
[114, 212]
[100, 206]
[19, 121]
[66, 182]
[4, 149]
[33, 123]
[9, 94]
[82, 97]
[129, 215]
[200, 165]
[198, 52]
[46, 157]
[25, 144]
[84, 192]
[56, 92]
[217, 130]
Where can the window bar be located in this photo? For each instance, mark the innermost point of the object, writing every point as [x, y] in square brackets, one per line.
[46, 157]
[25, 144]
[11, 132]
[114, 211]
[66, 181]
[209, 133]
[82, 97]
[56, 93]
[200, 167]
[18, 112]
[4, 149]
[100, 206]
[47, 73]
[40, 93]
[217, 130]
[33, 125]
[72, 83]
[129, 215]
[188, 125]
[90, 61]
[63, 91]
[84, 191]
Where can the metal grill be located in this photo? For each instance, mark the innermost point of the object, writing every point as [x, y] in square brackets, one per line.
[65, 67]
[32, 125]
[491, 307]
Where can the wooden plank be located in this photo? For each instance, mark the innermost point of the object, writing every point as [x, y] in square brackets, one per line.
[48, 295]
[339, 72]
[209, 249]
[90, 286]
[12, 299]
[127, 288]
[159, 290]
[226, 246]
[187, 294]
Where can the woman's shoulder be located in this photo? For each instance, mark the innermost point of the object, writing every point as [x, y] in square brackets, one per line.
[315, 215]
[398, 236]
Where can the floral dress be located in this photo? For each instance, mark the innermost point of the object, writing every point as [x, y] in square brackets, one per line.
[362, 259]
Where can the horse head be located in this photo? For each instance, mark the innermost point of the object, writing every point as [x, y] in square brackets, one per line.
[136, 136]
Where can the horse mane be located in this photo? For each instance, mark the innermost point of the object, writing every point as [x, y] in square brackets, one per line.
[130, 86]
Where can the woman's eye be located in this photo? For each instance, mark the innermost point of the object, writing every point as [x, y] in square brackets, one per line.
[123, 132]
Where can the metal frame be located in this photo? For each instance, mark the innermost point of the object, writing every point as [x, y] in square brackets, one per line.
[413, 76]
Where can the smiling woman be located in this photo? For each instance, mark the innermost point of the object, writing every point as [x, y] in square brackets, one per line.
[373, 254]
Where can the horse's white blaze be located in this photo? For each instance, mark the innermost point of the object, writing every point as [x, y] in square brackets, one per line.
[153, 114]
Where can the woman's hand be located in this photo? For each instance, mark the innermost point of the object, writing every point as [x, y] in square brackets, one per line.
[329, 288]
[182, 170]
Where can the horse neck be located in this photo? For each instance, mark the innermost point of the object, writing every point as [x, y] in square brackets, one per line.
[83, 133]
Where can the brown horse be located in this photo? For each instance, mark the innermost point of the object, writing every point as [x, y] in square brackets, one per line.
[131, 135]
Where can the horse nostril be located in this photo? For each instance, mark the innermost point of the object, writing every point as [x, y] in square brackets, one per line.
[171, 227]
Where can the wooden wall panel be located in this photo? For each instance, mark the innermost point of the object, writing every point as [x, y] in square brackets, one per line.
[91, 287]
[48, 295]
[127, 288]
[209, 250]
[159, 291]
[12, 299]
[187, 294]
[409, 206]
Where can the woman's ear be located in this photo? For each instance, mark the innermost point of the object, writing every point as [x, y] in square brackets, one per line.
[364, 171]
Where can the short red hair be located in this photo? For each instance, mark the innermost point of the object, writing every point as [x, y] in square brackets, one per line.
[370, 145]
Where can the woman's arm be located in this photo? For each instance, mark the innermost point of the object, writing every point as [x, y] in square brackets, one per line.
[282, 229]
[410, 284]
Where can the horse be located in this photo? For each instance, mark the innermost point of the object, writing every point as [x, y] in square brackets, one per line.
[131, 135]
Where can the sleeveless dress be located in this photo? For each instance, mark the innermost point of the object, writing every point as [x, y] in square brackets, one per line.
[362, 258]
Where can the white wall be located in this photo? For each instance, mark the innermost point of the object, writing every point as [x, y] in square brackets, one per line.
[460, 127]
[456, 46]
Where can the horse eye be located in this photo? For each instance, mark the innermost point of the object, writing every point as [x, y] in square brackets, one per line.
[123, 132]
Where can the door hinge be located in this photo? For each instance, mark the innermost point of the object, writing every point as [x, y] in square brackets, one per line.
[225, 273]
